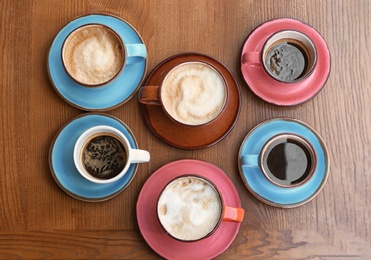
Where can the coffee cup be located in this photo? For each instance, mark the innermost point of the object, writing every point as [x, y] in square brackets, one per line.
[287, 56]
[191, 208]
[94, 55]
[286, 160]
[102, 154]
[193, 93]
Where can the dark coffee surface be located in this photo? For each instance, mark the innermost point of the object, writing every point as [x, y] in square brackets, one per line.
[286, 61]
[104, 157]
[288, 162]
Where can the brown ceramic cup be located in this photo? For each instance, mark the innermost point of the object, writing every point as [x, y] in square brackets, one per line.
[193, 93]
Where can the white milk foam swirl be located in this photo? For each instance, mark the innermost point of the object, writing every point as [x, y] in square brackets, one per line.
[95, 55]
[189, 208]
[193, 93]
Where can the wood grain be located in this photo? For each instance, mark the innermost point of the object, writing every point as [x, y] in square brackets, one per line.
[39, 220]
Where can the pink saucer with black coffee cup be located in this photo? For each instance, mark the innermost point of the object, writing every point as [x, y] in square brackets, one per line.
[261, 62]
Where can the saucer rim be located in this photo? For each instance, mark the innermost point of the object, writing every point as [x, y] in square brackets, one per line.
[217, 170]
[66, 190]
[135, 90]
[311, 196]
[195, 56]
[322, 42]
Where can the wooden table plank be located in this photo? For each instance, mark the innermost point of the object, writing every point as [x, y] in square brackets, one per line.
[39, 220]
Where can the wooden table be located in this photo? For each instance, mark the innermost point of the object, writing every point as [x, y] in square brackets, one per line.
[39, 220]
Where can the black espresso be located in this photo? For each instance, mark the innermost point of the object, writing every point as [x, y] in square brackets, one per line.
[288, 162]
[104, 157]
[287, 60]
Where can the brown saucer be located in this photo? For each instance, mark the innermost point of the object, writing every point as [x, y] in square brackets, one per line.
[195, 137]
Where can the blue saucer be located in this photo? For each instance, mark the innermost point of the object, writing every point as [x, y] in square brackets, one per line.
[102, 98]
[266, 191]
[63, 168]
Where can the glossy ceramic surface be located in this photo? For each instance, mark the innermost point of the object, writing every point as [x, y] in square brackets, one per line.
[151, 229]
[62, 166]
[260, 186]
[277, 92]
[192, 137]
[105, 97]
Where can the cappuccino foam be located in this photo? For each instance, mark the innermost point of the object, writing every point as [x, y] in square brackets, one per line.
[193, 93]
[93, 55]
[189, 208]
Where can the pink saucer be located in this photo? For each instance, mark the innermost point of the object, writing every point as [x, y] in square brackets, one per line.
[151, 229]
[276, 92]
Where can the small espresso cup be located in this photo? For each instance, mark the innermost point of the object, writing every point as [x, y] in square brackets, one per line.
[94, 55]
[286, 160]
[193, 93]
[190, 208]
[287, 56]
[102, 154]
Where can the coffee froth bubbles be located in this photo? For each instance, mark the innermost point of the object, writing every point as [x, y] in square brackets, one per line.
[103, 154]
[289, 56]
[193, 93]
[93, 55]
[189, 208]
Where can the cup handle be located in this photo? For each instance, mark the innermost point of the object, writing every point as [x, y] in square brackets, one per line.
[250, 160]
[232, 214]
[139, 156]
[251, 58]
[149, 95]
[135, 53]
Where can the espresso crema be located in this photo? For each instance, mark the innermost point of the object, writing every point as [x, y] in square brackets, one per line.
[93, 55]
[193, 93]
[287, 60]
[104, 156]
[189, 208]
